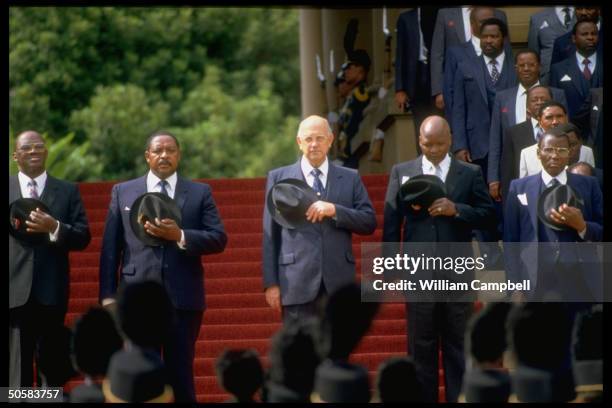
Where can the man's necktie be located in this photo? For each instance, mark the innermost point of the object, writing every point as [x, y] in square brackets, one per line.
[539, 133]
[439, 172]
[494, 71]
[553, 183]
[586, 71]
[33, 190]
[163, 184]
[567, 18]
[317, 185]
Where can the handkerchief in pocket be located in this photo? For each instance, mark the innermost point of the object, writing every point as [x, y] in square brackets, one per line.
[405, 179]
[522, 198]
[566, 78]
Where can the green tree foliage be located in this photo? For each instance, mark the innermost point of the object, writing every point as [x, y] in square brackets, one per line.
[112, 75]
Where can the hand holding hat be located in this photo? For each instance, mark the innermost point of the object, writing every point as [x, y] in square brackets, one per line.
[570, 216]
[559, 208]
[155, 219]
[30, 222]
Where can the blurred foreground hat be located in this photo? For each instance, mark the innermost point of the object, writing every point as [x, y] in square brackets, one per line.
[552, 198]
[422, 190]
[19, 212]
[342, 382]
[136, 375]
[147, 207]
[288, 200]
[487, 386]
[587, 348]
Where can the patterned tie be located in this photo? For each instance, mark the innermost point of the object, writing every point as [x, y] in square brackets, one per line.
[317, 185]
[539, 133]
[554, 182]
[33, 191]
[494, 71]
[567, 18]
[163, 184]
[586, 71]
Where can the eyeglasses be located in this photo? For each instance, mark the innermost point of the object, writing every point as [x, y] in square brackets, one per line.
[561, 151]
[38, 147]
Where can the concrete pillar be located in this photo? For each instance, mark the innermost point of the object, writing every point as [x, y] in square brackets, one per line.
[313, 96]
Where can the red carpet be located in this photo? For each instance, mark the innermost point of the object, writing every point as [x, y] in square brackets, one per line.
[237, 314]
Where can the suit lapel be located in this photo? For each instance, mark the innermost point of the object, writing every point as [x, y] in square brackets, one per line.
[533, 194]
[595, 79]
[481, 75]
[50, 192]
[334, 184]
[577, 77]
[554, 23]
[14, 189]
[459, 28]
[453, 178]
[180, 195]
[511, 104]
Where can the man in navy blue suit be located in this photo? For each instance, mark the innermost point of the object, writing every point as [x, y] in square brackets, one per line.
[564, 47]
[522, 223]
[412, 61]
[177, 265]
[302, 266]
[476, 83]
[580, 72]
[510, 108]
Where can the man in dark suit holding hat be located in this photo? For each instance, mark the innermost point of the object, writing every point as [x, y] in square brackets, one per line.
[305, 261]
[467, 205]
[173, 257]
[38, 252]
[565, 223]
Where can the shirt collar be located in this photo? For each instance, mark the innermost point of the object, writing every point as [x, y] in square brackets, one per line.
[499, 59]
[534, 123]
[41, 181]
[444, 164]
[307, 167]
[561, 15]
[546, 178]
[153, 181]
[522, 89]
[592, 59]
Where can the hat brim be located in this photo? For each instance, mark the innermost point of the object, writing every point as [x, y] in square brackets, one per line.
[17, 226]
[171, 209]
[164, 397]
[422, 190]
[291, 221]
[574, 200]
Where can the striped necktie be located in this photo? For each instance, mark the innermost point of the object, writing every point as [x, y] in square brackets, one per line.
[33, 190]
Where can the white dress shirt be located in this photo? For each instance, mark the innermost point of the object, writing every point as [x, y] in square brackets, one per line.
[592, 61]
[521, 103]
[465, 12]
[307, 168]
[154, 186]
[561, 15]
[536, 125]
[41, 182]
[429, 168]
[500, 62]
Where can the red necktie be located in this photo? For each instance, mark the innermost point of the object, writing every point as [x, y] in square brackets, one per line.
[586, 71]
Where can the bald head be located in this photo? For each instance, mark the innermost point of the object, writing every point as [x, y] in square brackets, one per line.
[314, 138]
[28, 134]
[435, 138]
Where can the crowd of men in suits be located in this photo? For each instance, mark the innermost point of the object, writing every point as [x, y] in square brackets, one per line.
[507, 139]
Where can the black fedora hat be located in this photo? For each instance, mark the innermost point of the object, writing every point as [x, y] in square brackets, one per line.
[553, 197]
[136, 375]
[147, 207]
[339, 381]
[19, 212]
[483, 385]
[422, 190]
[288, 200]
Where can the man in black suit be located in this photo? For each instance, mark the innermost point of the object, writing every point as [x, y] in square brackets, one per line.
[450, 219]
[38, 275]
[412, 60]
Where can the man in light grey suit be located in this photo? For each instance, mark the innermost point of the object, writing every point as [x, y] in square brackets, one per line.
[302, 266]
[452, 28]
[544, 28]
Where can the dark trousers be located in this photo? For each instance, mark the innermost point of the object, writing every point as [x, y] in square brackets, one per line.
[27, 324]
[179, 353]
[315, 308]
[429, 325]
